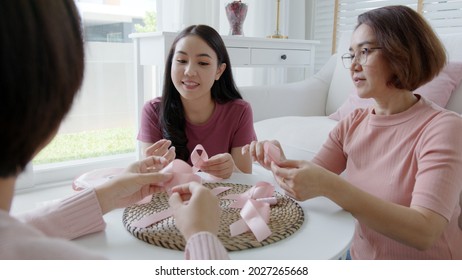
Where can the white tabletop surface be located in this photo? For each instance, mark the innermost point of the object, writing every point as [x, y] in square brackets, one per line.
[326, 232]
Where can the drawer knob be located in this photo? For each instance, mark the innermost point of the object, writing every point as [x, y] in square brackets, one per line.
[283, 57]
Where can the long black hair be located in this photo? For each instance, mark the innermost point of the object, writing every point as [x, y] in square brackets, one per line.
[171, 113]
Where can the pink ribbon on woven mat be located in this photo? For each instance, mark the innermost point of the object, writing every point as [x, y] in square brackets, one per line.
[159, 216]
[255, 210]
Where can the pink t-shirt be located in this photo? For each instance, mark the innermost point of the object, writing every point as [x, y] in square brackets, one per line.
[230, 126]
[44, 233]
[413, 158]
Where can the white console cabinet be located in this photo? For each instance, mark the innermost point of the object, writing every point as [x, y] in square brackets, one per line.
[153, 48]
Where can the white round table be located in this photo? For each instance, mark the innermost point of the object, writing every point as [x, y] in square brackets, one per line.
[325, 234]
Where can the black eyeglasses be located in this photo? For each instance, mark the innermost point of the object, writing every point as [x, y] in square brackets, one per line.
[361, 58]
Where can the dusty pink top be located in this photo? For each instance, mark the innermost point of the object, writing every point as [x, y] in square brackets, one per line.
[410, 158]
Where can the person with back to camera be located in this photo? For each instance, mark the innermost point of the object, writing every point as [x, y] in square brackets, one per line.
[42, 62]
[401, 158]
[200, 104]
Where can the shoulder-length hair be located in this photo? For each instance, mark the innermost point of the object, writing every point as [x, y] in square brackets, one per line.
[42, 65]
[171, 113]
[411, 47]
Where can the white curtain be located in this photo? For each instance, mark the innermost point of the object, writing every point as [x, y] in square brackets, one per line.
[174, 15]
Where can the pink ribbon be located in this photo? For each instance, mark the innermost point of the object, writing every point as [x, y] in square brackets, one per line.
[255, 210]
[95, 178]
[198, 157]
[159, 216]
[272, 152]
[254, 203]
[183, 172]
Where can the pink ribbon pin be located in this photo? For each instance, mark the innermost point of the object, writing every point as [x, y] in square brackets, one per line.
[255, 210]
[198, 157]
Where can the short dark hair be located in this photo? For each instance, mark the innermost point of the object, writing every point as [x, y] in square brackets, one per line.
[42, 62]
[409, 44]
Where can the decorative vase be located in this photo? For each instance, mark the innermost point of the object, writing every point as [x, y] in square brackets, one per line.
[236, 12]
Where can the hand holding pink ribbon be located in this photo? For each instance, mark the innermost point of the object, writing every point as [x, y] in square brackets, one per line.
[159, 216]
[272, 152]
[183, 172]
[254, 203]
[255, 211]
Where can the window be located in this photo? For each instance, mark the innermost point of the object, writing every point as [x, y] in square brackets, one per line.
[99, 131]
[330, 20]
[444, 16]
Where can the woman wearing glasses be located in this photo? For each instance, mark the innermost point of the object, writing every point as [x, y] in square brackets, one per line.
[401, 158]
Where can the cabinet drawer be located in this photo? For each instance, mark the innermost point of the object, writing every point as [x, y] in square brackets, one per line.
[280, 57]
[239, 56]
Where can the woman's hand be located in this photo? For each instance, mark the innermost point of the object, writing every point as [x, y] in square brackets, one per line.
[195, 209]
[161, 148]
[256, 149]
[302, 180]
[220, 165]
[414, 226]
[139, 180]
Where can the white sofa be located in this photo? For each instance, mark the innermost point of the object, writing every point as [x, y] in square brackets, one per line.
[296, 114]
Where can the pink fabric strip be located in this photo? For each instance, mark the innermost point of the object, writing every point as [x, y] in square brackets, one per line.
[183, 172]
[159, 216]
[216, 191]
[261, 191]
[255, 216]
[95, 178]
[272, 152]
[255, 210]
[153, 218]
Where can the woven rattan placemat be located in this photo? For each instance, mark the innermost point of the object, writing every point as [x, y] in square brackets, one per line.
[286, 218]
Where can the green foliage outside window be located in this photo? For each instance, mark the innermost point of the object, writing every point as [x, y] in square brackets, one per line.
[88, 144]
[150, 23]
